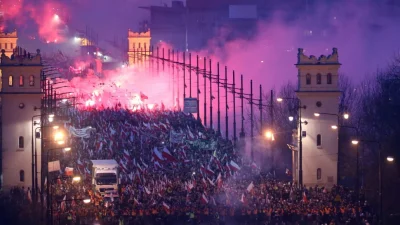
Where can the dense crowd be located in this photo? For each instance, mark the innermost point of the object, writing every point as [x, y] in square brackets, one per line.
[175, 171]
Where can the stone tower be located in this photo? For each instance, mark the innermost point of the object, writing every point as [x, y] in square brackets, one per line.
[139, 45]
[20, 95]
[8, 42]
[318, 90]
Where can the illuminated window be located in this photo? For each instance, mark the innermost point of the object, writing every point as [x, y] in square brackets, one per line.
[319, 78]
[319, 141]
[31, 80]
[308, 79]
[21, 80]
[329, 78]
[21, 142]
[319, 174]
[10, 80]
[21, 176]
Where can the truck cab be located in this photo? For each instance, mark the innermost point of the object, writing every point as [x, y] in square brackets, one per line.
[105, 176]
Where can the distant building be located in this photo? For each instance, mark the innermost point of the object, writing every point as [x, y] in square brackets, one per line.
[138, 44]
[318, 91]
[192, 26]
[20, 96]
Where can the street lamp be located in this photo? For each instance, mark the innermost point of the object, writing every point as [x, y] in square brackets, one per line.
[334, 127]
[300, 107]
[51, 118]
[380, 160]
[346, 116]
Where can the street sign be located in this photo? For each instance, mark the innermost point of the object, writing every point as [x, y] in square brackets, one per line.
[190, 105]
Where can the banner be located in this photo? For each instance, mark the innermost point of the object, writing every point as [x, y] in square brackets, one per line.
[82, 133]
[54, 166]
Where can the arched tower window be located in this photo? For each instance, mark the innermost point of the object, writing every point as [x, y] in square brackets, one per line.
[31, 80]
[21, 142]
[21, 176]
[319, 174]
[319, 78]
[308, 78]
[329, 78]
[10, 81]
[319, 140]
[21, 80]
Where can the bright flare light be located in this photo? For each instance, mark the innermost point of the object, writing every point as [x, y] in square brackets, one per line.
[291, 118]
[390, 159]
[279, 99]
[150, 106]
[76, 179]
[354, 142]
[67, 149]
[86, 201]
[346, 116]
[334, 127]
[269, 135]
[59, 136]
[56, 17]
[317, 114]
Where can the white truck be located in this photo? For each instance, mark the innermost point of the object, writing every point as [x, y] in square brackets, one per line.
[105, 176]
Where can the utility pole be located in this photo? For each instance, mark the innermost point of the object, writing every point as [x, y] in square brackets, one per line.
[226, 105]
[234, 109]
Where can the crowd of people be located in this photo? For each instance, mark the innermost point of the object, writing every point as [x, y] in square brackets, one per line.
[175, 171]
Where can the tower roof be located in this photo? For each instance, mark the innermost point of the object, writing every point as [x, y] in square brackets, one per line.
[139, 34]
[332, 59]
[12, 34]
[21, 57]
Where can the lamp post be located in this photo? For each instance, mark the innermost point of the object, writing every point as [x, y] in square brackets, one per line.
[299, 107]
[34, 160]
[345, 116]
[50, 190]
[380, 161]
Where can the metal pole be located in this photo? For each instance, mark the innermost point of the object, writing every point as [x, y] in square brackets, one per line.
[300, 148]
[219, 101]
[380, 185]
[198, 88]
[339, 152]
[251, 120]
[177, 73]
[190, 75]
[260, 107]
[211, 96]
[184, 75]
[173, 76]
[226, 105]
[271, 114]
[163, 59]
[158, 59]
[234, 108]
[357, 175]
[33, 170]
[205, 93]
[242, 134]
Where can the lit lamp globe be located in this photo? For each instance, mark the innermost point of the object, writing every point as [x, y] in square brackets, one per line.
[354, 142]
[291, 118]
[390, 159]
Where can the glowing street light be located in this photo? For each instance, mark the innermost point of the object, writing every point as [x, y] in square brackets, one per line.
[334, 127]
[86, 201]
[346, 116]
[51, 118]
[56, 18]
[279, 99]
[76, 179]
[55, 127]
[67, 149]
[354, 142]
[390, 158]
[317, 114]
[291, 118]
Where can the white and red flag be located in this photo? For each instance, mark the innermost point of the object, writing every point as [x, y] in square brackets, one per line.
[204, 199]
[233, 166]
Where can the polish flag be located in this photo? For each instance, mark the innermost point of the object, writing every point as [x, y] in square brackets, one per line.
[304, 197]
[157, 155]
[167, 155]
[147, 190]
[288, 172]
[166, 207]
[243, 200]
[207, 170]
[136, 201]
[224, 157]
[219, 180]
[69, 171]
[233, 166]
[157, 165]
[204, 199]
[254, 166]
[250, 187]
[127, 155]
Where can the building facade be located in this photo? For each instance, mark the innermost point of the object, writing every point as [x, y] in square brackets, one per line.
[318, 91]
[138, 45]
[20, 97]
